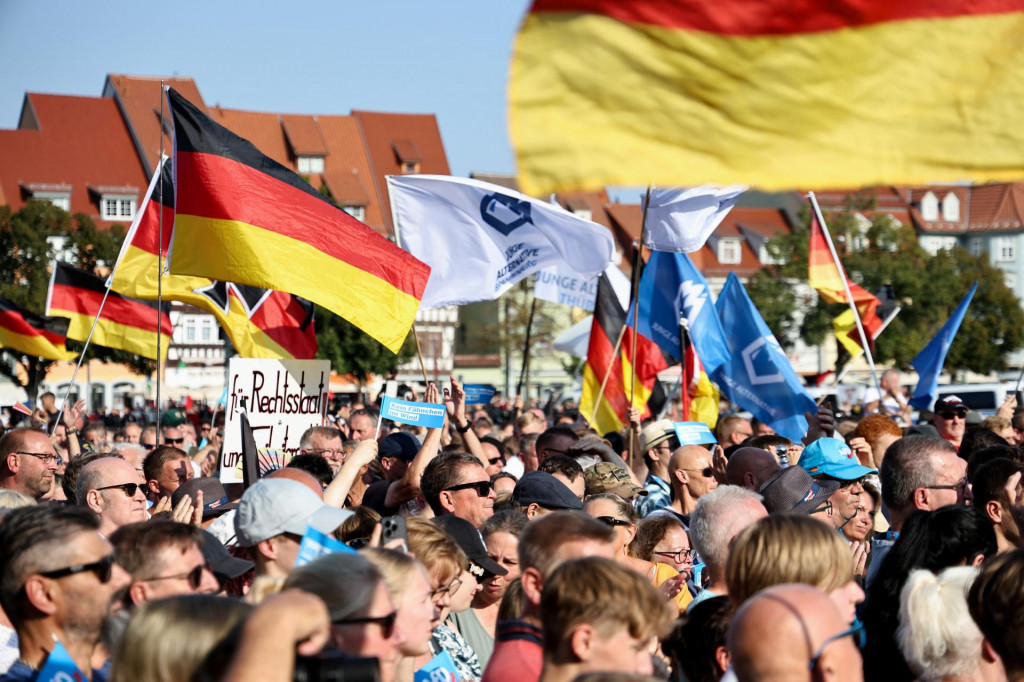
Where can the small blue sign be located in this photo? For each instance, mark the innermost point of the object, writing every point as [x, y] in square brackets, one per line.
[440, 668]
[59, 667]
[479, 394]
[430, 415]
[316, 544]
[694, 433]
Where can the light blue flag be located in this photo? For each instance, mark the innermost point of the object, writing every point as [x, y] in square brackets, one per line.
[430, 415]
[479, 394]
[440, 668]
[758, 376]
[670, 283]
[316, 543]
[59, 667]
[929, 361]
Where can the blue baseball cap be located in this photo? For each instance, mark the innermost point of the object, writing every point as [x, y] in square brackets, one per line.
[833, 457]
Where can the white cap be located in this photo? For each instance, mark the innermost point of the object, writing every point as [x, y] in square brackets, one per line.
[273, 506]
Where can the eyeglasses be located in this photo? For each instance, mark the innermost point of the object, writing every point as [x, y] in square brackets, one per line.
[960, 486]
[148, 446]
[46, 457]
[706, 472]
[358, 543]
[482, 488]
[102, 568]
[612, 521]
[387, 623]
[203, 429]
[194, 577]
[960, 414]
[856, 629]
[827, 508]
[450, 588]
[496, 460]
[174, 441]
[677, 556]
[128, 488]
[328, 452]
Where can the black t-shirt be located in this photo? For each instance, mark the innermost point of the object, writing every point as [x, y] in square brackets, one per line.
[375, 495]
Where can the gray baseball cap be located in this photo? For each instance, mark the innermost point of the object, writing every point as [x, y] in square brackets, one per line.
[273, 506]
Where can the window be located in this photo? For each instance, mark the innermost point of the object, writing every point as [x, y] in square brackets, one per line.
[58, 199]
[357, 212]
[766, 257]
[584, 213]
[410, 166]
[1010, 280]
[930, 207]
[729, 251]
[117, 208]
[950, 207]
[311, 164]
[190, 333]
[976, 246]
[1005, 249]
[207, 334]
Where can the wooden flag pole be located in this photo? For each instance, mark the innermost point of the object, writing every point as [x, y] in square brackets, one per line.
[419, 353]
[636, 304]
[159, 273]
[607, 373]
[526, 349]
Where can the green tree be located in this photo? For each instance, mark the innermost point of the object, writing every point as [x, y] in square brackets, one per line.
[351, 351]
[927, 287]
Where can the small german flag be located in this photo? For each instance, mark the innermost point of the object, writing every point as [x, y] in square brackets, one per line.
[31, 334]
[242, 217]
[124, 323]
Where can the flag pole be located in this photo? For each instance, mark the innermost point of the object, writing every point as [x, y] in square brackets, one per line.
[419, 353]
[684, 381]
[159, 271]
[607, 373]
[636, 304]
[846, 288]
[398, 242]
[526, 349]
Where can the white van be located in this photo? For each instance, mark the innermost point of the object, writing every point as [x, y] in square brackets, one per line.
[983, 398]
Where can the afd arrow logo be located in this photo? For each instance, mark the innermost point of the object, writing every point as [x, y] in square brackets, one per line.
[504, 213]
[691, 299]
[759, 361]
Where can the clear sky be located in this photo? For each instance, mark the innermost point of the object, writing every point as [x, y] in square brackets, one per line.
[446, 57]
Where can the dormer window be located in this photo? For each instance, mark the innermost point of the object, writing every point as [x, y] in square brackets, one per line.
[117, 207]
[950, 207]
[584, 213]
[311, 164]
[357, 212]
[58, 199]
[930, 207]
[729, 251]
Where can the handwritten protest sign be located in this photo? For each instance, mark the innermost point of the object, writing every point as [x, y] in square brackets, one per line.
[440, 668]
[479, 394]
[561, 284]
[282, 399]
[430, 415]
[694, 433]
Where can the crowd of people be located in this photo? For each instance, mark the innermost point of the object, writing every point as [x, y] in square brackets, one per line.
[516, 545]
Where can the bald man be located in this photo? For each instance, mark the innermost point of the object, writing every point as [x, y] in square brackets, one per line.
[692, 476]
[793, 633]
[750, 467]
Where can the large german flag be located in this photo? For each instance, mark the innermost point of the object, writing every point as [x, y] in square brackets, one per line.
[773, 93]
[260, 323]
[609, 408]
[31, 334]
[125, 323]
[242, 217]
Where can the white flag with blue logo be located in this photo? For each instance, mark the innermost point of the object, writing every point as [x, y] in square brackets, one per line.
[480, 239]
[681, 220]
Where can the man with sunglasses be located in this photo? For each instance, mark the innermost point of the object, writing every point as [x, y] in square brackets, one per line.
[59, 580]
[28, 462]
[110, 488]
[950, 419]
[164, 559]
[692, 476]
[456, 483]
[793, 632]
[831, 459]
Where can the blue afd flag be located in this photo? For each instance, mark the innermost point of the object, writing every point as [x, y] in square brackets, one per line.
[670, 284]
[59, 667]
[758, 376]
[929, 361]
[430, 415]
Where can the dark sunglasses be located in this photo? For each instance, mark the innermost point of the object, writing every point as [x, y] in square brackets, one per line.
[949, 415]
[174, 441]
[612, 521]
[101, 568]
[496, 460]
[706, 472]
[194, 577]
[358, 543]
[387, 623]
[128, 488]
[482, 488]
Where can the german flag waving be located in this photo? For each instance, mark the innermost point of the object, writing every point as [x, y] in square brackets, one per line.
[260, 323]
[31, 334]
[242, 217]
[124, 323]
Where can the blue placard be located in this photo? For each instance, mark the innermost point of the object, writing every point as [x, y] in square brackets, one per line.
[59, 667]
[479, 394]
[440, 668]
[430, 415]
[694, 433]
[316, 544]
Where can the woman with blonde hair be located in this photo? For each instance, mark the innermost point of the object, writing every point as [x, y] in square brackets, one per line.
[614, 511]
[792, 548]
[170, 640]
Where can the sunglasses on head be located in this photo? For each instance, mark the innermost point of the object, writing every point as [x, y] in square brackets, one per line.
[194, 577]
[482, 488]
[101, 568]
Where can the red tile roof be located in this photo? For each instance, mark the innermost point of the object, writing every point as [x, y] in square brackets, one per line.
[996, 207]
[347, 159]
[303, 135]
[139, 99]
[81, 143]
[381, 131]
[263, 129]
